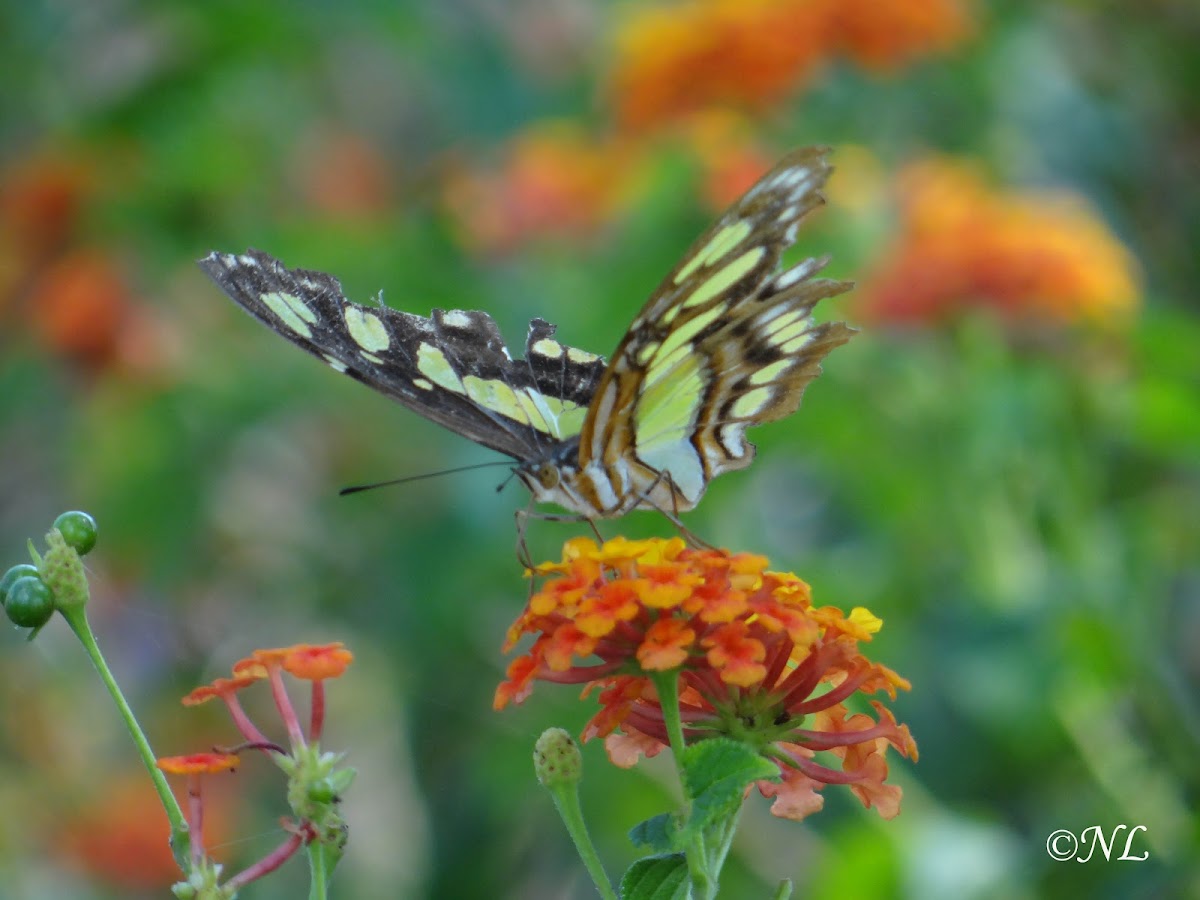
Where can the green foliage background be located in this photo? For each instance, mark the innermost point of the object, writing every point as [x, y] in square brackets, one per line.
[1024, 519]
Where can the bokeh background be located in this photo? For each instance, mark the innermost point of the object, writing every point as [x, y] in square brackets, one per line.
[1004, 465]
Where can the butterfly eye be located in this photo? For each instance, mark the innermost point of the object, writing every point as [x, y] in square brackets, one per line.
[547, 476]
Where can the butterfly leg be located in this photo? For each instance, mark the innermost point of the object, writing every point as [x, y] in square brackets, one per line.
[672, 515]
[693, 539]
[524, 515]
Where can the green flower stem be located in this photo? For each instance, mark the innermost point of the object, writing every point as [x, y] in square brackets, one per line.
[666, 685]
[727, 830]
[76, 617]
[316, 867]
[784, 891]
[566, 801]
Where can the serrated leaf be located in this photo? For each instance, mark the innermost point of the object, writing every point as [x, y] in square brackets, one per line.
[658, 833]
[662, 877]
[718, 772]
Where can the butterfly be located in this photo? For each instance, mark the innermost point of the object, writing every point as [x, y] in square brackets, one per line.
[726, 342]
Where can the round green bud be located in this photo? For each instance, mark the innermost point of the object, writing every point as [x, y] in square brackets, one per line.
[17, 571]
[556, 758]
[78, 530]
[30, 602]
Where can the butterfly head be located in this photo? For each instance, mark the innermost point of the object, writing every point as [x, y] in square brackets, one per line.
[549, 479]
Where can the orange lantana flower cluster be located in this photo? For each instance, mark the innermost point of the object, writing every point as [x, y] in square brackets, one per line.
[963, 244]
[749, 54]
[755, 661]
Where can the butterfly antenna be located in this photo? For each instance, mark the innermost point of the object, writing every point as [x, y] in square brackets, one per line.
[358, 488]
[502, 485]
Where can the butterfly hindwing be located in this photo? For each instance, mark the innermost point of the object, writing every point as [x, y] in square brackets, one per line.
[452, 367]
[724, 343]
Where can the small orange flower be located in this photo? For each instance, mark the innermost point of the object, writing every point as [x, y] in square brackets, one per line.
[250, 668]
[963, 244]
[220, 687]
[317, 663]
[666, 584]
[198, 763]
[736, 655]
[755, 660]
[666, 645]
[271, 657]
[518, 683]
[611, 604]
[564, 644]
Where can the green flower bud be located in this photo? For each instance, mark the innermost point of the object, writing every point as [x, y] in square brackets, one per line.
[78, 530]
[17, 571]
[556, 759]
[30, 602]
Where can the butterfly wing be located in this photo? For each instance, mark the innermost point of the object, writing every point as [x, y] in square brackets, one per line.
[452, 367]
[724, 343]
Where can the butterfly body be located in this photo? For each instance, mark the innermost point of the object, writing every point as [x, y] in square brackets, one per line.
[725, 343]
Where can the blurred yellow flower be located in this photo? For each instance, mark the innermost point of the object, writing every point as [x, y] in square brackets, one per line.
[964, 244]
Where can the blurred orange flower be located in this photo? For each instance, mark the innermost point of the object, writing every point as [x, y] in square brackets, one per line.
[80, 305]
[555, 181]
[676, 59]
[964, 244]
[344, 176]
[41, 197]
[120, 836]
[751, 54]
[886, 35]
[730, 153]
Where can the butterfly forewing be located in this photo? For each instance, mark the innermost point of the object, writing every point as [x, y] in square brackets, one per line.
[452, 367]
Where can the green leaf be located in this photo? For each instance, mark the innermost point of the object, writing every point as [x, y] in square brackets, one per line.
[657, 878]
[658, 833]
[718, 772]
